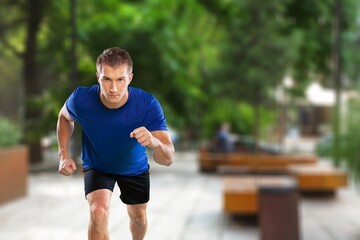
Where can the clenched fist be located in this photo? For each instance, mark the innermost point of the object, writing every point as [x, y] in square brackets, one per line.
[144, 137]
[67, 166]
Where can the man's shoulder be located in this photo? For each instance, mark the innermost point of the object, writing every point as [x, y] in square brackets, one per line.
[140, 92]
[82, 91]
[141, 96]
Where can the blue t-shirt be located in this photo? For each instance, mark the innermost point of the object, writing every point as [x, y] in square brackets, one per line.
[106, 142]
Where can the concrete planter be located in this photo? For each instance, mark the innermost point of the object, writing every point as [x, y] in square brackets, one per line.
[13, 172]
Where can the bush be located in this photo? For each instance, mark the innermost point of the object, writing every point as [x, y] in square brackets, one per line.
[239, 114]
[10, 133]
[349, 142]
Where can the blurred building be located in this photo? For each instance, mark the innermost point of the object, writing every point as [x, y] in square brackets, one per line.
[315, 113]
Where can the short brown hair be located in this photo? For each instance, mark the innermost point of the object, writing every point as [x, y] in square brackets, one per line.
[114, 57]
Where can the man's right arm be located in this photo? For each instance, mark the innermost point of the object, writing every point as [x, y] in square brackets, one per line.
[64, 131]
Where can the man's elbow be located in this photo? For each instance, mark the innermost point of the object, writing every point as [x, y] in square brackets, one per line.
[164, 162]
[172, 156]
[169, 162]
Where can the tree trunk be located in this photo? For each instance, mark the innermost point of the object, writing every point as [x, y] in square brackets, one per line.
[76, 138]
[257, 104]
[337, 81]
[30, 78]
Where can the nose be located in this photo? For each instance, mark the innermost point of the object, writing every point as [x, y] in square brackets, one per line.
[113, 88]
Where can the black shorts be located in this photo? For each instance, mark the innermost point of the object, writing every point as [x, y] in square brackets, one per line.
[133, 189]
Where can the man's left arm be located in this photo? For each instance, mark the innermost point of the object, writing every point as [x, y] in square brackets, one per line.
[159, 141]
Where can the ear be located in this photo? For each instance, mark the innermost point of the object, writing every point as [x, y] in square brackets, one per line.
[97, 77]
[131, 75]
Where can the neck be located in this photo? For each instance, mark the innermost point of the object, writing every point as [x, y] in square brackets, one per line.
[111, 105]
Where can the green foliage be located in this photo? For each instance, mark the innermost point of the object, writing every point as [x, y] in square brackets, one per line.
[10, 133]
[314, 21]
[169, 59]
[239, 115]
[258, 51]
[349, 141]
[206, 60]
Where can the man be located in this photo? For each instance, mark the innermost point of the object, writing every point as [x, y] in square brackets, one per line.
[223, 139]
[117, 122]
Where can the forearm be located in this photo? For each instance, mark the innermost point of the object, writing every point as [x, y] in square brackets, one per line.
[164, 154]
[158, 141]
[65, 129]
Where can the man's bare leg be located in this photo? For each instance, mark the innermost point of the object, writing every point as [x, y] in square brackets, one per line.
[138, 220]
[99, 203]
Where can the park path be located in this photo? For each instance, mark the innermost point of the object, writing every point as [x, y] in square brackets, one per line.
[184, 205]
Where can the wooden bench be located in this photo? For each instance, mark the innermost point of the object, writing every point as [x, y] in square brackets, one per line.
[319, 177]
[241, 193]
[241, 170]
[209, 161]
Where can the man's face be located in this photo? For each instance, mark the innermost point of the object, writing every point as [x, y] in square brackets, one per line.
[114, 84]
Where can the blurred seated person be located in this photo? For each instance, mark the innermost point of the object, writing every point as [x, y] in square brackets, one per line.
[223, 141]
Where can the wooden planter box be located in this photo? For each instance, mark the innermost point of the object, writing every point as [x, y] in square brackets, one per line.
[241, 193]
[319, 178]
[13, 173]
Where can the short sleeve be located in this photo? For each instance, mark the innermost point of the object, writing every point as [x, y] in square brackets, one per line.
[71, 105]
[155, 118]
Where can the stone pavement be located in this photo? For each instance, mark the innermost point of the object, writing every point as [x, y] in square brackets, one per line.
[184, 205]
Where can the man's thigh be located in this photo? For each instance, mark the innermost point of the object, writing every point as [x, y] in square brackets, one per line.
[100, 198]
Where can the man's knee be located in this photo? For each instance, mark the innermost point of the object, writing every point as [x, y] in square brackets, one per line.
[139, 220]
[99, 211]
[137, 215]
[99, 203]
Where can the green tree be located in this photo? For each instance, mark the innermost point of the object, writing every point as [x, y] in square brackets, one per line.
[168, 57]
[198, 57]
[33, 10]
[258, 53]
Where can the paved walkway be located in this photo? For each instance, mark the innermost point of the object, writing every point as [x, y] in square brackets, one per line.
[185, 205]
